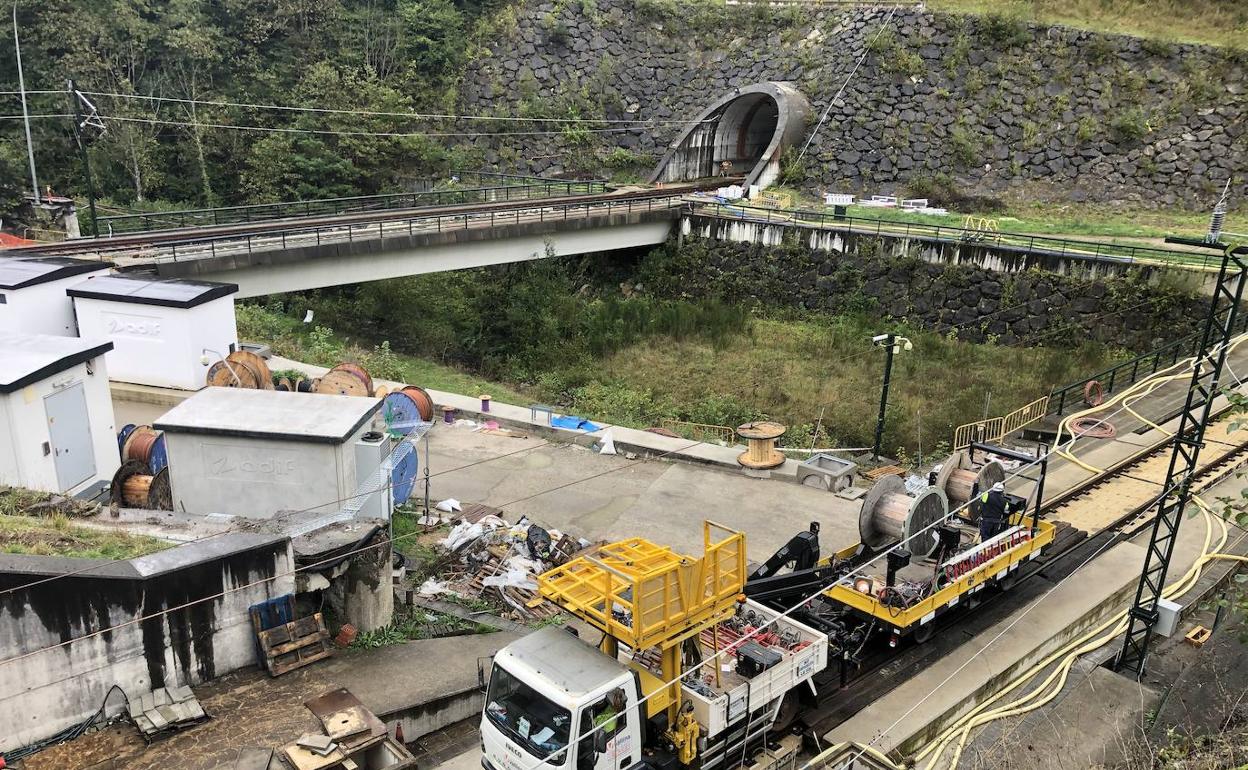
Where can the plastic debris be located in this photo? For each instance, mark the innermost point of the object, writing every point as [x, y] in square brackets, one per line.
[449, 505]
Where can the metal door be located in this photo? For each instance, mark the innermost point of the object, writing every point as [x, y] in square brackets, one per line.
[70, 434]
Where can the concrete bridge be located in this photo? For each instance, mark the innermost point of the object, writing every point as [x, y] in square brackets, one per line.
[295, 255]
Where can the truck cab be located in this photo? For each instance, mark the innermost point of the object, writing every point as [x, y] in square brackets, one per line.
[547, 693]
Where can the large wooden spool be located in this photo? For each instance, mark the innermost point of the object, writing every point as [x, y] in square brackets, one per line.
[241, 369]
[959, 477]
[134, 487]
[889, 515]
[339, 382]
[360, 373]
[761, 451]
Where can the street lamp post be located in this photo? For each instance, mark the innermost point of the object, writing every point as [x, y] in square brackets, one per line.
[892, 345]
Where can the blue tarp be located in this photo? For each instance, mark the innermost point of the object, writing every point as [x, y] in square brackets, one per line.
[572, 422]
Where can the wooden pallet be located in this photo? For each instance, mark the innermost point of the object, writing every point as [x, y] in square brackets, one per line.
[875, 474]
[295, 644]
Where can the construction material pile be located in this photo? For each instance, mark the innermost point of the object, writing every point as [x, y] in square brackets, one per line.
[492, 561]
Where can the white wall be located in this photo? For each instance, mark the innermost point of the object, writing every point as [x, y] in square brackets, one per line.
[24, 427]
[256, 477]
[44, 308]
[157, 345]
[65, 684]
[258, 280]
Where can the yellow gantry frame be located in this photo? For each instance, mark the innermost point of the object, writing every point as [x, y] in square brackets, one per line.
[646, 595]
[902, 619]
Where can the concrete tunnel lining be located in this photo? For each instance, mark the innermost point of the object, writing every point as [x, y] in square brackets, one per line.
[750, 127]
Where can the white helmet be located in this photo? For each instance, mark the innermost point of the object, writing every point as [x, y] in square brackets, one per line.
[998, 487]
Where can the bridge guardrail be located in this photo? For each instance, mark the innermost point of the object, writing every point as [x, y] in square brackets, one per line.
[524, 188]
[193, 247]
[1038, 244]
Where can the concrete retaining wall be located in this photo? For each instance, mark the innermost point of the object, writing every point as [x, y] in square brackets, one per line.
[111, 617]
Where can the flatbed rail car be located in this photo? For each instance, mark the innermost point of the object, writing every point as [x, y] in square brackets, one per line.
[964, 574]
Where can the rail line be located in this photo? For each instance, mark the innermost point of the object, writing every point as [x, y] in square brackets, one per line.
[1096, 502]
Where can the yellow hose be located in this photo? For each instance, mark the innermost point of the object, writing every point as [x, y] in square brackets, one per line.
[1148, 384]
[1069, 653]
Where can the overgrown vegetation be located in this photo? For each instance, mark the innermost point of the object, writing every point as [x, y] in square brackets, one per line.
[415, 623]
[1199, 21]
[637, 360]
[41, 524]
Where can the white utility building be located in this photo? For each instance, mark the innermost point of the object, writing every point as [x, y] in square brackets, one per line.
[56, 414]
[258, 452]
[32, 293]
[162, 329]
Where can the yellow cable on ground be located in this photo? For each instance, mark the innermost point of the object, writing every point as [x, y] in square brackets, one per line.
[1151, 383]
[1072, 651]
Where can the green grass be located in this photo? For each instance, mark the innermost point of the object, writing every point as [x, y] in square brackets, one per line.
[1059, 220]
[793, 370]
[787, 369]
[1214, 22]
[58, 536]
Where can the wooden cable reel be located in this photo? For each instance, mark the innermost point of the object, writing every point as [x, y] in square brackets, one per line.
[889, 515]
[358, 371]
[958, 478]
[241, 369]
[339, 382]
[134, 487]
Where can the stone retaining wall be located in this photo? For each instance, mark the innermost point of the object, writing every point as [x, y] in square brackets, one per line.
[1029, 307]
[995, 106]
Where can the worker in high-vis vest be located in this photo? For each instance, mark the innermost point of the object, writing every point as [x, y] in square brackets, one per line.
[992, 512]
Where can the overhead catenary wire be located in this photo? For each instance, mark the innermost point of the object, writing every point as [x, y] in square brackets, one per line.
[337, 132]
[379, 113]
[866, 51]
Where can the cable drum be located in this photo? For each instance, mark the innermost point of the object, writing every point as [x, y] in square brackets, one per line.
[133, 487]
[122, 435]
[890, 515]
[959, 477]
[403, 476]
[424, 402]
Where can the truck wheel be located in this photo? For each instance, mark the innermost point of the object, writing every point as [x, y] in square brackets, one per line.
[1008, 581]
[790, 708]
[924, 633]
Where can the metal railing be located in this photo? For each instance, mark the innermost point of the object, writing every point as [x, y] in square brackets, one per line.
[995, 429]
[510, 187]
[293, 235]
[1128, 373]
[900, 228]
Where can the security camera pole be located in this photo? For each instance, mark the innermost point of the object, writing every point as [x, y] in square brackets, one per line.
[892, 344]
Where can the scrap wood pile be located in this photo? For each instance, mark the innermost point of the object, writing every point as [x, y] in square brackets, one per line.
[491, 560]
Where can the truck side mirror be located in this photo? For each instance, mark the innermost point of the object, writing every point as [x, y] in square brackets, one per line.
[481, 671]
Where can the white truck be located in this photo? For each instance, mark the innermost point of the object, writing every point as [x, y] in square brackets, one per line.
[557, 701]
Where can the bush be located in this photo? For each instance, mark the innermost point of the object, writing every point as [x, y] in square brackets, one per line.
[1130, 125]
[964, 145]
[1004, 31]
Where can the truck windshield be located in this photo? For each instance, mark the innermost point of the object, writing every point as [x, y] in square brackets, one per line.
[526, 716]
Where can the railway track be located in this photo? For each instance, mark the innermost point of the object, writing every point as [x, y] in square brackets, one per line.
[1114, 506]
[196, 235]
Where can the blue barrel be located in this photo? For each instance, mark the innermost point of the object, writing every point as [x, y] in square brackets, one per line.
[122, 435]
[403, 477]
[158, 459]
[401, 413]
